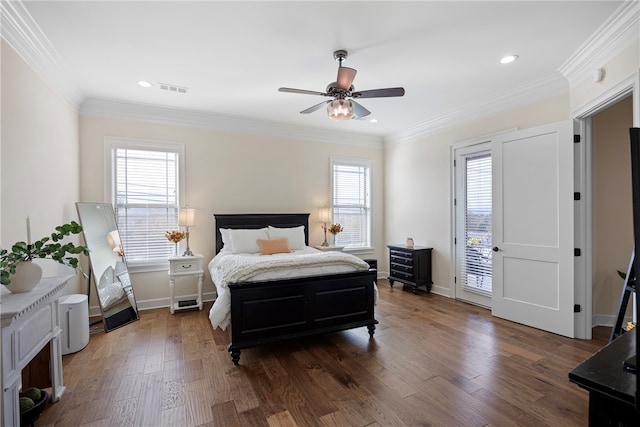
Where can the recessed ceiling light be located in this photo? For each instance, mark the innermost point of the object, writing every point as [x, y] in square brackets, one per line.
[508, 59]
[373, 120]
[144, 84]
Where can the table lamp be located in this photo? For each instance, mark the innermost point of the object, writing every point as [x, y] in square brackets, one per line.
[324, 218]
[186, 218]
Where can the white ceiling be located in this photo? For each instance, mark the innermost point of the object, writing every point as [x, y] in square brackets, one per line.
[233, 56]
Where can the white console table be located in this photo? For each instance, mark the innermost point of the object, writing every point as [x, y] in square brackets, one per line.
[29, 321]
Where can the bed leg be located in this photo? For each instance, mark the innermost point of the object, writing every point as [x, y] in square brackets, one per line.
[372, 329]
[235, 356]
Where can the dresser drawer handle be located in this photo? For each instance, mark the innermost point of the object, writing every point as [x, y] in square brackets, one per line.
[186, 266]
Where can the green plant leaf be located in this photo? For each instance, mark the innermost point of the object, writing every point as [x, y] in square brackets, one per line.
[47, 247]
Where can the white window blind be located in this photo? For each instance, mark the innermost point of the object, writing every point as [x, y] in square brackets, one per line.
[478, 218]
[351, 202]
[145, 196]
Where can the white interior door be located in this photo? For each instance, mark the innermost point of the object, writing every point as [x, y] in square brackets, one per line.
[533, 273]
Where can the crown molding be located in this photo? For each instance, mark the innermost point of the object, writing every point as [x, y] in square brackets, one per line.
[618, 32]
[538, 90]
[170, 116]
[22, 33]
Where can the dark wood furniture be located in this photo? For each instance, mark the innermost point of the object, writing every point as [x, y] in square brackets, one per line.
[410, 266]
[373, 265]
[274, 310]
[611, 388]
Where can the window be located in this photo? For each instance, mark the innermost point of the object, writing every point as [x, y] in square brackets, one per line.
[351, 202]
[144, 180]
[477, 222]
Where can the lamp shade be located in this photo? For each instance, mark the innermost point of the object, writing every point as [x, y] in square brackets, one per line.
[340, 109]
[323, 215]
[113, 238]
[187, 217]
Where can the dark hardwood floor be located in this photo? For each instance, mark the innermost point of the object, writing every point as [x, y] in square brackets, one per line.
[432, 362]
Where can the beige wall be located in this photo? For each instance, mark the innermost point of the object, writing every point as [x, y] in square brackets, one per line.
[612, 207]
[235, 172]
[624, 66]
[231, 173]
[418, 185]
[39, 156]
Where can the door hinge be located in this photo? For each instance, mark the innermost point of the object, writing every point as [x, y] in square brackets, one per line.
[577, 252]
[455, 279]
[454, 163]
[455, 240]
[576, 139]
[577, 308]
[576, 195]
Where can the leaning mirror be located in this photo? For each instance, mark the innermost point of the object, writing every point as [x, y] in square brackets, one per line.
[107, 264]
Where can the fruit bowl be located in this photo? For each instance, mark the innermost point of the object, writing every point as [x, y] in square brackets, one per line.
[29, 416]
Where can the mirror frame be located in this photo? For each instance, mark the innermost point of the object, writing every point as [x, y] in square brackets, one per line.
[107, 263]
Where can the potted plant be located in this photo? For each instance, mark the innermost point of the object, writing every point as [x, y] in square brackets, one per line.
[21, 255]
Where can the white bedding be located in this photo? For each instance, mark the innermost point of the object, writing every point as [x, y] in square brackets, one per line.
[227, 267]
[110, 289]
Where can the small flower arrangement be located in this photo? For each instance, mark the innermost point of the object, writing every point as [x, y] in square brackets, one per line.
[334, 229]
[175, 236]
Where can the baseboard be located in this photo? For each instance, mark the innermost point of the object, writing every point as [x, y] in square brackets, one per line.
[94, 311]
[607, 320]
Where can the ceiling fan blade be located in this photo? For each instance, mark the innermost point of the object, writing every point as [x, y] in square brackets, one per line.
[302, 91]
[314, 108]
[379, 93]
[359, 111]
[345, 77]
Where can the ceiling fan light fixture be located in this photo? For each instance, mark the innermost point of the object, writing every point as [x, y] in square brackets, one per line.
[340, 109]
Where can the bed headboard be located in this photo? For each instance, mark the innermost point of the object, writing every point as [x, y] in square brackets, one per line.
[259, 221]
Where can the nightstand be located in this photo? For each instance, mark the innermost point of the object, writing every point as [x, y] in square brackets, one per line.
[410, 266]
[329, 248]
[183, 266]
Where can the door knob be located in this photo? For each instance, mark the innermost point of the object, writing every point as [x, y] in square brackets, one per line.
[496, 249]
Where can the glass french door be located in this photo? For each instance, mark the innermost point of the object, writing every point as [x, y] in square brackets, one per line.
[474, 215]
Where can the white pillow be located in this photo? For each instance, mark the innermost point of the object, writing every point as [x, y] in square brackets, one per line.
[294, 234]
[245, 241]
[226, 239]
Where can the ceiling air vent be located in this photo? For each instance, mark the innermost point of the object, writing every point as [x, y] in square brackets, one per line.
[172, 88]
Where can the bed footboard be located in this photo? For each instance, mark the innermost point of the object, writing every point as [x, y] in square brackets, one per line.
[270, 311]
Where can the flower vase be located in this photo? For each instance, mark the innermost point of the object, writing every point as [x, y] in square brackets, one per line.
[175, 253]
[27, 276]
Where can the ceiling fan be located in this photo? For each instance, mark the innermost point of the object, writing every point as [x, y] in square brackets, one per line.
[341, 107]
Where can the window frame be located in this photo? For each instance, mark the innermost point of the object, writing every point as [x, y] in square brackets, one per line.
[359, 162]
[111, 143]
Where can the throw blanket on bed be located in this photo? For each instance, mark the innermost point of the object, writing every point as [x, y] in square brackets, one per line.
[234, 269]
[231, 268]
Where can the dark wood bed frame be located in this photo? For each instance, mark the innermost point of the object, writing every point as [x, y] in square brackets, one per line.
[274, 310]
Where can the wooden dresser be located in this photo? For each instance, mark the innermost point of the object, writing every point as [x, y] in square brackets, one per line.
[410, 266]
[30, 320]
[612, 390]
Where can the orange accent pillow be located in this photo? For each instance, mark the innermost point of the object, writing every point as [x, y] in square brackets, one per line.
[274, 246]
